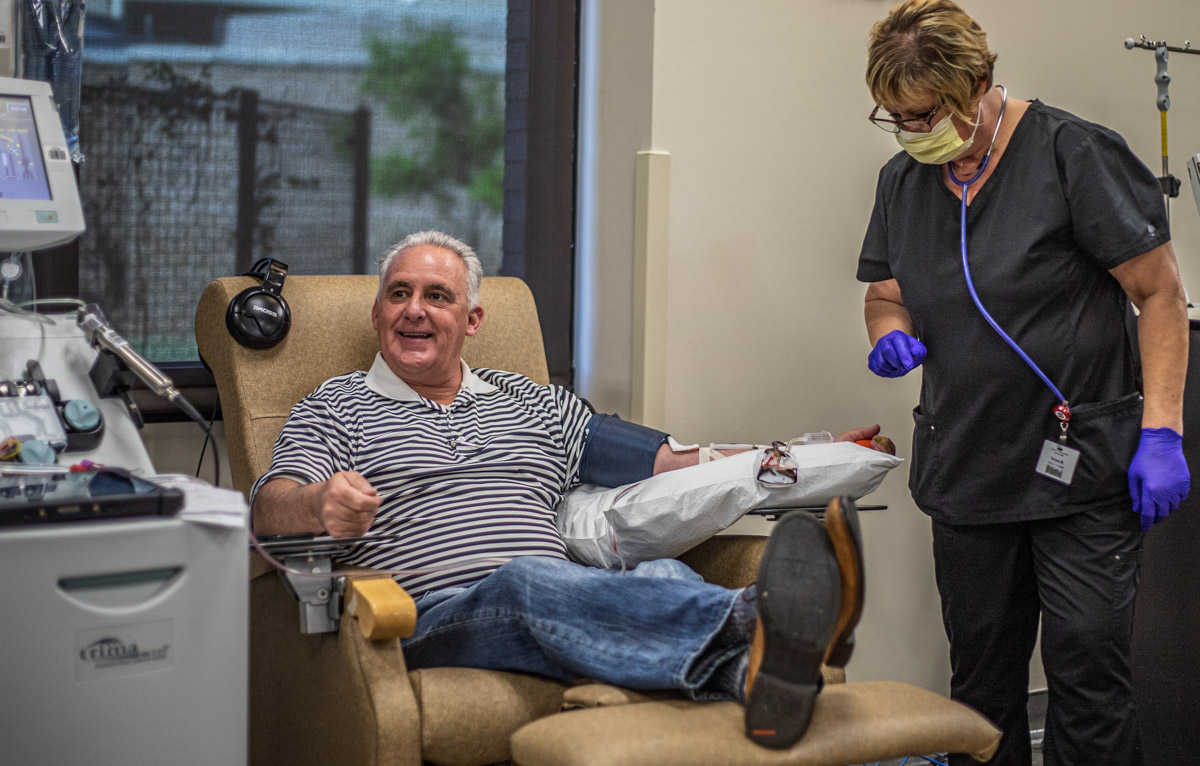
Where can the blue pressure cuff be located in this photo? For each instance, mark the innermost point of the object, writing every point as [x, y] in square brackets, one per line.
[616, 452]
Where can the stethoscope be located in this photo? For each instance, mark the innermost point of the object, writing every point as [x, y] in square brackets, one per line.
[1062, 412]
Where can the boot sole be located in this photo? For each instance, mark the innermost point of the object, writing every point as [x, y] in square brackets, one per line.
[798, 605]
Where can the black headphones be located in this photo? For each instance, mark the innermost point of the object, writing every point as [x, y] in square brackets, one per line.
[258, 317]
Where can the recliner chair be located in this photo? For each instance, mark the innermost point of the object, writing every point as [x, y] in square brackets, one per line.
[343, 698]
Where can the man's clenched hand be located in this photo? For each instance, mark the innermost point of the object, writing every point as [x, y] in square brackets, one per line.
[347, 505]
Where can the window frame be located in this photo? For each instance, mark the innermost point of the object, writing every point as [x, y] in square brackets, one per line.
[539, 221]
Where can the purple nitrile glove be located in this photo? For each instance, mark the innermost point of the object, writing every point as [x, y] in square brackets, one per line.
[1158, 475]
[896, 354]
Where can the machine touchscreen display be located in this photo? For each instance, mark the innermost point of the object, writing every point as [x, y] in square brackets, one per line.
[40, 498]
[22, 169]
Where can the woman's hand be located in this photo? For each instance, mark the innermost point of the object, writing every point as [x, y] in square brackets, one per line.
[896, 354]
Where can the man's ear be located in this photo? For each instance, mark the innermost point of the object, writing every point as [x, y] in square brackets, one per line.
[474, 320]
[375, 315]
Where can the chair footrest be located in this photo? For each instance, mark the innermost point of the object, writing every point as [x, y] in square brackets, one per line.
[852, 723]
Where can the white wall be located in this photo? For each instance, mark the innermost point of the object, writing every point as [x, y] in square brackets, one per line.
[761, 106]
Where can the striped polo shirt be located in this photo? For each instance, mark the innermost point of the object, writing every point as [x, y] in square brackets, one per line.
[464, 487]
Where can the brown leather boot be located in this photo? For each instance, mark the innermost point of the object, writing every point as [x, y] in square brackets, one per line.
[799, 598]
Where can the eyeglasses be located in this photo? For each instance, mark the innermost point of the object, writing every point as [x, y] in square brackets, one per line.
[922, 123]
[778, 467]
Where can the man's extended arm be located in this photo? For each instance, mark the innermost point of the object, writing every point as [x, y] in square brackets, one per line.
[669, 460]
[344, 505]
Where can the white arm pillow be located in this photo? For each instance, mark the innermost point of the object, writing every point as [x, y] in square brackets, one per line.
[667, 514]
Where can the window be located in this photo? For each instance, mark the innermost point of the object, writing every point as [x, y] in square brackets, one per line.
[316, 133]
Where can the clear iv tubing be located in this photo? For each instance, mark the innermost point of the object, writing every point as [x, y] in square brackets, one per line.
[971, 285]
[372, 573]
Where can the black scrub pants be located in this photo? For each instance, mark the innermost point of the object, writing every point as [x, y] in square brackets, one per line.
[1080, 573]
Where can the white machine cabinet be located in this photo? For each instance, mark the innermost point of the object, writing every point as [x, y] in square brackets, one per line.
[123, 642]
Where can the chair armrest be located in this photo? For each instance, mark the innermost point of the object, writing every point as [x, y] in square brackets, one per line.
[328, 697]
[383, 608]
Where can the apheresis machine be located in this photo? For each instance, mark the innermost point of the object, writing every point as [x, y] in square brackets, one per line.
[123, 598]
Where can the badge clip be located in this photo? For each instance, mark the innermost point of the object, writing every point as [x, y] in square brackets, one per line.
[1062, 413]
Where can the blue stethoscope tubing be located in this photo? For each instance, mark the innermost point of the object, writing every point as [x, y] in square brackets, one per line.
[971, 285]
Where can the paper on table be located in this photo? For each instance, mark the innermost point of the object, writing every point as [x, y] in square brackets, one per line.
[205, 504]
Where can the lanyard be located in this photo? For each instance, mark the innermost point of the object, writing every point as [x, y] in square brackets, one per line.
[1062, 412]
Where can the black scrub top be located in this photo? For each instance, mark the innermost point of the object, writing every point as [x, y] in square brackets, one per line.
[1067, 202]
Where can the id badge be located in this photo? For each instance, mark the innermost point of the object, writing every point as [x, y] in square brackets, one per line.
[1057, 462]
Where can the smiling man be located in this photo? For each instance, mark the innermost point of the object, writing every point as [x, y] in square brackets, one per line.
[427, 308]
[459, 471]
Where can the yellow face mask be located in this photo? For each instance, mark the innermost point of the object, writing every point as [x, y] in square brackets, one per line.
[938, 146]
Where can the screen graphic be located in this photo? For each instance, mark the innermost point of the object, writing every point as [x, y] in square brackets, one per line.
[22, 172]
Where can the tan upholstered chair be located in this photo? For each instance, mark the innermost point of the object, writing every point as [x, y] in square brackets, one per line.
[343, 699]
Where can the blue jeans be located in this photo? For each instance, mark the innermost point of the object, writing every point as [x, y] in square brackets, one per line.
[659, 626]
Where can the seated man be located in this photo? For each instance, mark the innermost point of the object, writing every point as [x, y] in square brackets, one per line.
[460, 470]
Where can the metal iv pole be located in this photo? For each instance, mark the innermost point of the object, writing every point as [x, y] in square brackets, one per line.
[1169, 183]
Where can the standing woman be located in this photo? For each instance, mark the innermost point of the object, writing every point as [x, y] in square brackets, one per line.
[1033, 452]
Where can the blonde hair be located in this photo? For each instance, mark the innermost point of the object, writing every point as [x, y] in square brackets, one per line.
[929, 45]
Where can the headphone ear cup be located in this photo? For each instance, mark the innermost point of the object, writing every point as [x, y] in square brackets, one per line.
[258, 319]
